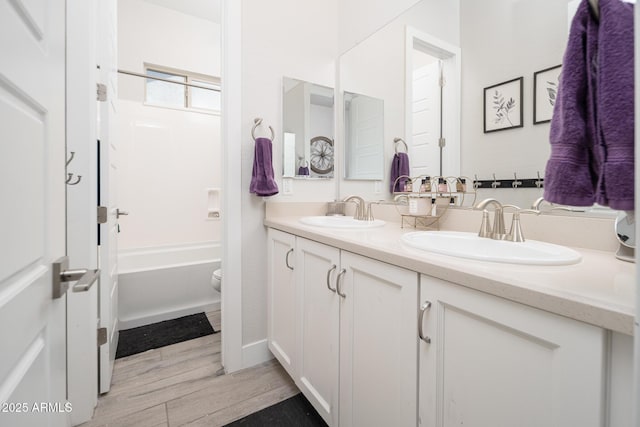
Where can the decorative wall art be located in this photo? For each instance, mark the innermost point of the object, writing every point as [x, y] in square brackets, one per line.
[545, 93]
[503, 106]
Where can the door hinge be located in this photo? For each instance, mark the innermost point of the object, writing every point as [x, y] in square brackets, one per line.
[102, 215]
[101, 92]
[102, 336]
[442, 142]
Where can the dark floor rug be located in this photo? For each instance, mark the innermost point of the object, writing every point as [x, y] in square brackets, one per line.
[293, 412]
[147, 337]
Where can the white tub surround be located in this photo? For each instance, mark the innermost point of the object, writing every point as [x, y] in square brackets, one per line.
[162, 283]
[599, 290]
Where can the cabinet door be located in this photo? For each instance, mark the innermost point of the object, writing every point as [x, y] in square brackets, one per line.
[316, 270]
[493, 362]
[281, 299]
[378, 344]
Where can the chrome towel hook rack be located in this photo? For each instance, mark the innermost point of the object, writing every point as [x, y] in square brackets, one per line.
[257, 122]
[397, 141]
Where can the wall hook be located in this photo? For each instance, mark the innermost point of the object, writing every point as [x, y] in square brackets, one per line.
[516, 183]
[495, 183]
[73, 154]
[70, 177]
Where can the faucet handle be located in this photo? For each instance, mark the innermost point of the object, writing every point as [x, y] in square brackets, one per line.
[515, 233]
[485, 226]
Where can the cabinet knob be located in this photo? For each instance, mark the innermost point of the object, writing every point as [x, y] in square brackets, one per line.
[423, 309]
[331, 270]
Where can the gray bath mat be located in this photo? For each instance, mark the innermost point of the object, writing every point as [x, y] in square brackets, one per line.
[147, 337]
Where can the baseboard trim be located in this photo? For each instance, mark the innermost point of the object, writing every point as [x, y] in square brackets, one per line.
[255, 353]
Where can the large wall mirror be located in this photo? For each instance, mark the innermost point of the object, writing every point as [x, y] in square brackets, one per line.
[308, 126]
[471, 46]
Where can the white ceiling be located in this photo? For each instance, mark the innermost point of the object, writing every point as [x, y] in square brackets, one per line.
[205, 9]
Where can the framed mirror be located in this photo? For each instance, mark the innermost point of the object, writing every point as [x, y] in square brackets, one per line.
[308, 118]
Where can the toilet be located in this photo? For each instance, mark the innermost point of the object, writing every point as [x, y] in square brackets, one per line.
[216, 279]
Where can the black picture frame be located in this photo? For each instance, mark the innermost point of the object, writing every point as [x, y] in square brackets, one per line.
[502, 106]
[545, 92]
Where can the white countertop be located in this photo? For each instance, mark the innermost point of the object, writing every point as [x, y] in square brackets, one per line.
[599, 290]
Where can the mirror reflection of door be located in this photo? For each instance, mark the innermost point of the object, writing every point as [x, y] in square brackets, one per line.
[364, 128]
[427, 115]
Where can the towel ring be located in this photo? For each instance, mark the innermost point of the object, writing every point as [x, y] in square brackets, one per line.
[257, 122]
[396, 141]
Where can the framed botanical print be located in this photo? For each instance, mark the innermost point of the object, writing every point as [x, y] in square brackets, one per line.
[503, 106]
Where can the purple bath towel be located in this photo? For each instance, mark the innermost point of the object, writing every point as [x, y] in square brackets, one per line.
[399, 167]
[592, 129]
[262, 182]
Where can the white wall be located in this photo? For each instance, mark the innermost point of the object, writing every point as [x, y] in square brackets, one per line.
[502, 40]
[168, 157]
[358, 19]
[155, 34]
[279, 38]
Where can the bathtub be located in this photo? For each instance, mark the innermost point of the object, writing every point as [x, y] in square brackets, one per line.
[162, 283]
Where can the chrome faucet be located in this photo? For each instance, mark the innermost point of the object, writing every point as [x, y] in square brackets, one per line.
[497, 231]
[360, 207]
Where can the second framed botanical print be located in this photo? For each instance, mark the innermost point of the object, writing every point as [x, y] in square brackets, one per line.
[545, 93]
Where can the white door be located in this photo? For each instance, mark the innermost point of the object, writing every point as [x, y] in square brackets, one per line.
[424, 149]
[378, 344]
[281, 299]
[316, 268]
[32, 190]
[82, 227]
[493, 362]
[108, 309]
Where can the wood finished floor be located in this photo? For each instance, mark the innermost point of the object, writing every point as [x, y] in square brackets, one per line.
[183, 385]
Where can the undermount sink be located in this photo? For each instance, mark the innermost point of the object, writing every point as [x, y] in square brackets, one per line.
[470, 246]
[340, 222]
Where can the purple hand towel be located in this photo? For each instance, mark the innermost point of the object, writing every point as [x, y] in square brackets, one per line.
[303, 170]
[592, 129]
[399, 167]
[262, 181]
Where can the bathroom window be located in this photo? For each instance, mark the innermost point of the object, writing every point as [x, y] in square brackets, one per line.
[204, 95]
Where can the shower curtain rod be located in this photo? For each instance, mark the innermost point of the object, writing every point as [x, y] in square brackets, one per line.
[131, 73]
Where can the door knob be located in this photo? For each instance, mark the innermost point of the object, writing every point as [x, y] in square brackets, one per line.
[120, 213]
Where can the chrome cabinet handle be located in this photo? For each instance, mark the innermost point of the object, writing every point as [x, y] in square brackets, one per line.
[423, 310]
[339, 282]
[120, 213]
[286, 259]
[331, 270]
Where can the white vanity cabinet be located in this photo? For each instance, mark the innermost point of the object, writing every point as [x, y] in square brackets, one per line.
[356, 348]
[281, 299]
[493, 362]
